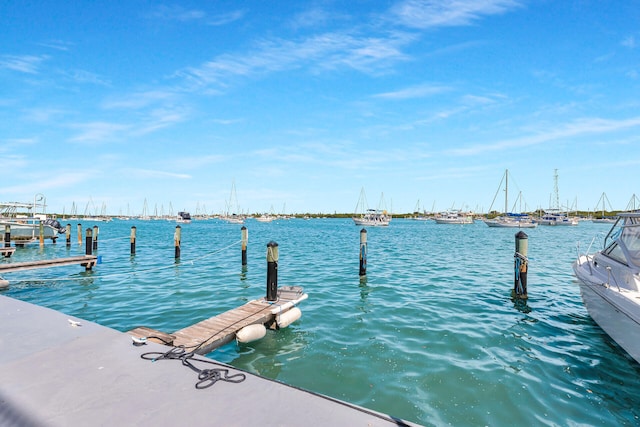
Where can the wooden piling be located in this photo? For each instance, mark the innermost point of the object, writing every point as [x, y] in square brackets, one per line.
[7, 236]
[272, 271]
[521, 265]
[363, 252]
[176, 241]
[133, 240]
[245, 240]
[95, 237]
[88, 241]
[41, 233]
[79, 234]
[68, 232]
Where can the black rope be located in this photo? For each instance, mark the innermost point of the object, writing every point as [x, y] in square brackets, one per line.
[207, 377]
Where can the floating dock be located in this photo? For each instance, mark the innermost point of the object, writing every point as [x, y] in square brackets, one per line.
[207, 335]
[62, 371]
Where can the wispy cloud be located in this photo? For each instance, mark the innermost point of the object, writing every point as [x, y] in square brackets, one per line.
[177, 13]
[630, 42]
[97, 132]
[149, 173]
[579, 127]
[420, 91]
[226, 18]
[321, 52]
[56, 44]
[424, 14]
[23, 63]
[139, 100]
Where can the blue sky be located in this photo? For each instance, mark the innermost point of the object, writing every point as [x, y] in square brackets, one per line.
[302, 104]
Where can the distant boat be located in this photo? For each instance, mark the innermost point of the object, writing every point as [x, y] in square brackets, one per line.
[454, 216]
[370, 217]
[265, 218]
[610, 282]
[24, 222]
[184, 217]
[509, 219]
[554, 216]
[604, 219]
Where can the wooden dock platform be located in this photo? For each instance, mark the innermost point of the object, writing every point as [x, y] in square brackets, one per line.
[209, 334]
[87, 261]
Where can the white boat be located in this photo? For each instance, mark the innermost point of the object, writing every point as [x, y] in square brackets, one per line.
[556, 218]
[610, 283]
[183, 217]
[24, 223]
[371, 217]
[509, 219]
[265, 218]
[454, 217]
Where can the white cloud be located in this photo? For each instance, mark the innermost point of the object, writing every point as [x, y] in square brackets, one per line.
[446, 13]
[419, 91]
[23, 63]
[579, 127]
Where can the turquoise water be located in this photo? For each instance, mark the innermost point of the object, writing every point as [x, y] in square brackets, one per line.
[431, 335]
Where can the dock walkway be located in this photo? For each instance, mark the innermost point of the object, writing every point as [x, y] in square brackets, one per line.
[55, 372]
[87, 261]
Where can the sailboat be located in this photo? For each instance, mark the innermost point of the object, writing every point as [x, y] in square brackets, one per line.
[231, 216]
[604, 219]
[509, 219]
[554, 216]
[371, 217]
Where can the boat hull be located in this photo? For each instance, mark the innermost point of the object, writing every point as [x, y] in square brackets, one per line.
[615, 309]
[25, 232]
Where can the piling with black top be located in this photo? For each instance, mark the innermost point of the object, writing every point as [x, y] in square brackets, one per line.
[88, 241]
[133, 240]
[363, 252]
[176, 241]
[68, 232]
[521, 263]
[95, 237]
[79, 234]
[245, 239]
[272, 271]
[7, 236]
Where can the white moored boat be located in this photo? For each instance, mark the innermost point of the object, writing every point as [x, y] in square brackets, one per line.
[610, 283]
[24, 224]
[371, 217]
[509, 219]
[454, 217]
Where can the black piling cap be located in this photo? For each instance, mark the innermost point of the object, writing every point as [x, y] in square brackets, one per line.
[521, 235]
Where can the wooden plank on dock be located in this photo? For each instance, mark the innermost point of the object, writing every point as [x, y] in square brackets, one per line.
[209, 334]
[87, 261]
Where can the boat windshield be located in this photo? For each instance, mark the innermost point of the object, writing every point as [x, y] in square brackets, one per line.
[629, 237]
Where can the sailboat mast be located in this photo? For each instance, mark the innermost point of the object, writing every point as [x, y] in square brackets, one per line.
[506, 191]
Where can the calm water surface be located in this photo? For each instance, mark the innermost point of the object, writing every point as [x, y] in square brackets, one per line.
[430, 335]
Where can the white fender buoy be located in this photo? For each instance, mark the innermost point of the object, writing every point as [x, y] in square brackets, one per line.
[288, 317]
[251, 333]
